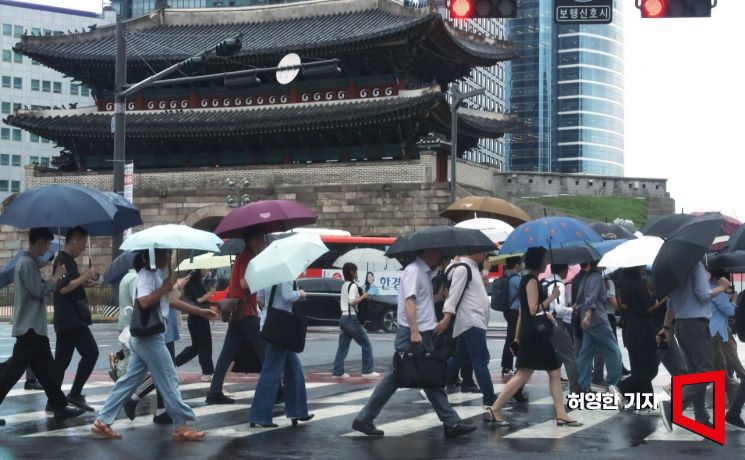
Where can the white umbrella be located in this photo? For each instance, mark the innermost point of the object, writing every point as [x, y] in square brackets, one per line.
[494, 229]
[207, 261]
[283, 260]
[633, 253]
[371, 258]
[172, 237]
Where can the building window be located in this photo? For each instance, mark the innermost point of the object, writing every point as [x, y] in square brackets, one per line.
[34, 85]
[17, 83]
[45, 161]
[35, 31]
[15, 160]
[33, 160]
[4, 159]
[34, 62]
[5, 135]
[45, 141]
[15, 186]
[17, 57]
[6, 107]
[74, 89]
[57, 87]
[3, 185]
[6, 82]
[46, 86]
[16, 106]
[18, 31]
[7, 55]
[34, 138]
[17, 134]
[47, 32]
[7, 30]
[84, 90]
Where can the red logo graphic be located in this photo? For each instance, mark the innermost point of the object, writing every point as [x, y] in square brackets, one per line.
[716, 434]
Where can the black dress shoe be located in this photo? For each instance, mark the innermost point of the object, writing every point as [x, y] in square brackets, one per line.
[219, 398]
[458, 430]
[79, 401]
[302, 419]
[466, 388]
[625, 371]
[263, 425]
[366, 428]
[520, 397]
[2, 422]
[163, 419]
[67, 412]
[32, 385]
[130, 406]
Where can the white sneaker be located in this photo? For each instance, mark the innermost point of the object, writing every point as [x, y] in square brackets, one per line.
[619, 397]
[343, 376]
[206, 378]
[371, 375]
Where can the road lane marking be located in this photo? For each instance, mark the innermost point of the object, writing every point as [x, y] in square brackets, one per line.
[549, 430]
[420, 423]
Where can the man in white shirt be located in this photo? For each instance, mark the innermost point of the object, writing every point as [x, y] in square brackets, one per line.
[468, 302]
[416, 324]
[562, 336]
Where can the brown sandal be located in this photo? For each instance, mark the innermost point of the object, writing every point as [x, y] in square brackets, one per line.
[104, 431]
[186, 433]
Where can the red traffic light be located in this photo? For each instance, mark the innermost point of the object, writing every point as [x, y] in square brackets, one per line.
[653, 8]
[478, 9]
[675, 8]
[460, 9]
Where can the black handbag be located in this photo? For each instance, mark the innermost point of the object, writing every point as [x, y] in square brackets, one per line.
[543, 326]
[284, 329]
[145, 323]
[420, 368]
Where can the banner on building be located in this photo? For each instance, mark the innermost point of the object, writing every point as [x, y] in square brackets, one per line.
[129, 185]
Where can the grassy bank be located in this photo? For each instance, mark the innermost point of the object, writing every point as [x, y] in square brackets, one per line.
[598, 208]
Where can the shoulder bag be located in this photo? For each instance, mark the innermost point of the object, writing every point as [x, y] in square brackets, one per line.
[420, 368]
[284, 329]
[145, 322]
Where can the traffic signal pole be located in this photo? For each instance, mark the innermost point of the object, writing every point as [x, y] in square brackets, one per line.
[458, 97]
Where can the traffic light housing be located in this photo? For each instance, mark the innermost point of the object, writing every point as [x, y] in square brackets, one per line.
[476, 9]
[193, 64]
[675, 8]
[228, 47]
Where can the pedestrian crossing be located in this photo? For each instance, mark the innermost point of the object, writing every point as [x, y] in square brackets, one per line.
[335, 404]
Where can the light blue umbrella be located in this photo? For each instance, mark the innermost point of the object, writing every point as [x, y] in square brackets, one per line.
[171, 237]
[284, 260]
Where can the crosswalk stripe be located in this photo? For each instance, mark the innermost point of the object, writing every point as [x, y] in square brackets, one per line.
[346, 397]
[456, 398]
[549, 430]
[66, 387]
[243, 430]
[420, 423]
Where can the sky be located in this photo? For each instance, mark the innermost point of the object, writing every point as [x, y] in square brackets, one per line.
[685, 97]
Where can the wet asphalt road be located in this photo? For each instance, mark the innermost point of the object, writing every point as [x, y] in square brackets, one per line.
[412, 429]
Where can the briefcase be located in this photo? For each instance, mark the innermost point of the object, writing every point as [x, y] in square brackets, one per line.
[420, 369]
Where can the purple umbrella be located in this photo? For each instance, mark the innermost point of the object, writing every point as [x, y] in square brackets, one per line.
[270, 215]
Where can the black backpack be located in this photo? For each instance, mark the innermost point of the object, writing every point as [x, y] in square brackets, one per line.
[500, 293]
[444, 342]
[740, 316]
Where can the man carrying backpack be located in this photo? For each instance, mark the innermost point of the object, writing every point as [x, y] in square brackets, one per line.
[468, 302]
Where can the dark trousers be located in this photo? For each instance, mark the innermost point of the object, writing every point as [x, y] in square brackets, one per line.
[507, 359]
[201, 344]
[80, 339]
[471, 347]
[695, 340]
[246, 329]
[33, 350]
[644, 367]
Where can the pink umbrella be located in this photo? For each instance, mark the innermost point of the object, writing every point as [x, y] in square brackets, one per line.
[573, 270]
[270, 215]
[729, 226]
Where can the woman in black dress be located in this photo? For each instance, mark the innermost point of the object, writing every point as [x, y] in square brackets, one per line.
[533, 352]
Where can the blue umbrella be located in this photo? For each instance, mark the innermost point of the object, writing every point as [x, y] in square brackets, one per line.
[118, 268]
[605, 246]
[59, 206]
[127, 216]
[549, 232]
[6, 274]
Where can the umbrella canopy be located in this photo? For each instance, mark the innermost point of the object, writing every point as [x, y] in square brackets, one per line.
[496, 230]
[118, 268]
[283, 260]
[172, 237]
[633, 253]
[730, 261]
[666, 225]
[485, 206]
[680, 253]
[572, 255]
[610, 231]
[608, 245]
[207, 261]
[232, 247]
[6, 274]
[126, 216]
[729, 226]
[59, 206]
[270, 215]
[549, 232]
[736, 241]
[451, 241]
[573, 270]
[373, 259]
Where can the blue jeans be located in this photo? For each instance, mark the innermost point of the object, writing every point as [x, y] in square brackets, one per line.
[599, 337]
[471, 344]
[238, 331]
[148, 354]
[279, 364]
[352, 329]
[388, 386]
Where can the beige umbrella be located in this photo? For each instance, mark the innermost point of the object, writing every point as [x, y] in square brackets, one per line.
[207, 261]
[485, 206]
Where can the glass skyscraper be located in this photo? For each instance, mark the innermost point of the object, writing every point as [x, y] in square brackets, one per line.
[567, 88]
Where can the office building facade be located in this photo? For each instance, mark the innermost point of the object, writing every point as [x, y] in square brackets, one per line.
[26, 83]
[567, 88]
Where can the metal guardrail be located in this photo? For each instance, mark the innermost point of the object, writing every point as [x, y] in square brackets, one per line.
[99, 298]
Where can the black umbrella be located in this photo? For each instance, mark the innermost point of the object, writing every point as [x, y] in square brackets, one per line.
[572, 255]
[682, 251]
[450, 240]
[736, 240]
[730, 261]
[666, 225]
[232, 247]
[612, 231]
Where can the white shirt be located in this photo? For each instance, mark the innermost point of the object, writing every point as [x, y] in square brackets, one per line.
[147, 282]
[473, 310]
[416, 281]
[559, 306]
[348, 294]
